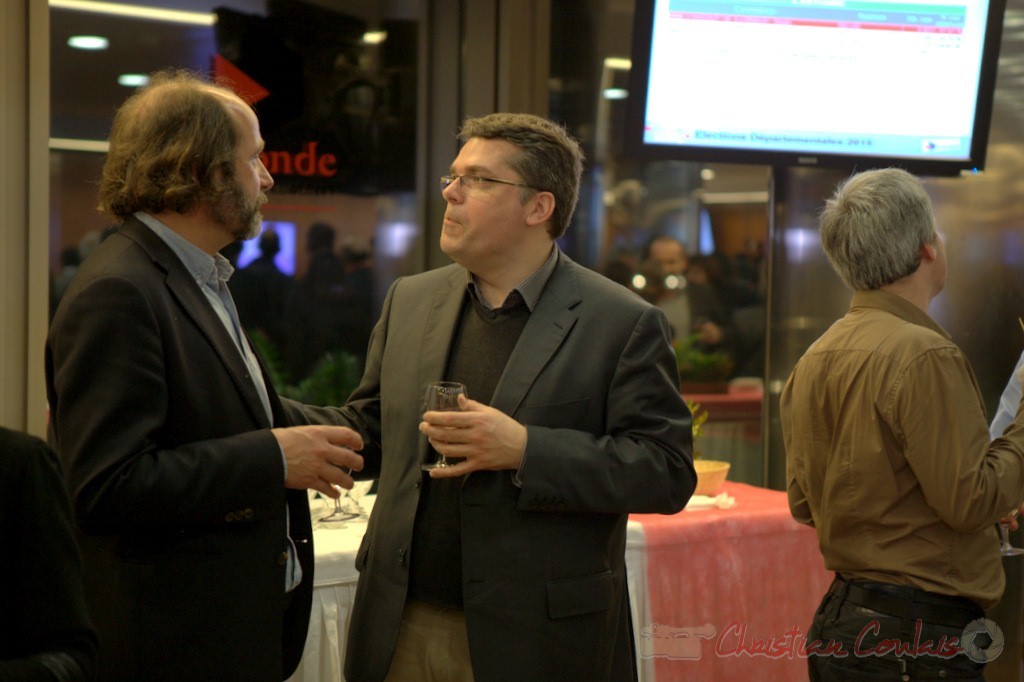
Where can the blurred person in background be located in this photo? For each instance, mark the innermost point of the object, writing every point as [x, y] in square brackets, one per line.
[692, 308]
[261, 290]
[745, 310]
[45, 631]
[69, 262]
[358, 315]
[315, 311]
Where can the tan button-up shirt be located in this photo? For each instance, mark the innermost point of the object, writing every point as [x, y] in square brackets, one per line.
[888, 453]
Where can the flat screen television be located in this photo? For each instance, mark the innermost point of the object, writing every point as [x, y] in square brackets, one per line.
[833, 83]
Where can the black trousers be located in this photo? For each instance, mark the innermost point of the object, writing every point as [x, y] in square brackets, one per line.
[866, 631]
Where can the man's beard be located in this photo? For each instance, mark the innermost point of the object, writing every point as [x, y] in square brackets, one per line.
[238, 215]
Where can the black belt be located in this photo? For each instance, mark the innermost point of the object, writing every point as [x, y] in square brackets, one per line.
[906, 602]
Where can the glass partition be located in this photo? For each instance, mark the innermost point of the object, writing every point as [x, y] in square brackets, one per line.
[335, 87]
[690, 237]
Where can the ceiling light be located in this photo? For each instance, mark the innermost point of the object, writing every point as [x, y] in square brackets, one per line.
[73, 145]
[88, 42]
[132, 80]
[375, 37]
[616, 93]
[136, 11]
[618, 63]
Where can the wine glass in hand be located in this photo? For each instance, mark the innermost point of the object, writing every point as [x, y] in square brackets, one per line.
[339, 514]
[442, 396]
[1005, 548]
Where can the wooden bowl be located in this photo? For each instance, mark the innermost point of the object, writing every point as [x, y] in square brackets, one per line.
[711, 476]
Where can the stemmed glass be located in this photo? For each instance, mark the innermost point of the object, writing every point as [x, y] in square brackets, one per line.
[442, 396]
[1005, 548]
[339, 514]
[350, 498]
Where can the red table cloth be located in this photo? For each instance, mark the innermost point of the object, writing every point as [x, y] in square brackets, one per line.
[731, 591]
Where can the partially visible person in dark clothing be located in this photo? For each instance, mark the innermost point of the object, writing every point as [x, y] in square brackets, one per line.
[45, 632]
[692, 307]
[621, 266]
[720, 274]
[315, 311]
[261, 290]
[359, 315]
[70, 259]
[744, 306]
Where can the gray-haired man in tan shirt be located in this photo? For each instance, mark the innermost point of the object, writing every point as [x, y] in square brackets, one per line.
[888, 452]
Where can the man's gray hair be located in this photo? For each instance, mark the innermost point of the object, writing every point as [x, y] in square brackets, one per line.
[873, 227]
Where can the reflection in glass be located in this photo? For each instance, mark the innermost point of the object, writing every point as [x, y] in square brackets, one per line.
[335, 93]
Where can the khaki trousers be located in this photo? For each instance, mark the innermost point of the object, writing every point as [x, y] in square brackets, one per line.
[432, 646]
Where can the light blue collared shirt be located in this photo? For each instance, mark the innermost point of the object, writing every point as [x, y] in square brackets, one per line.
[211, 274]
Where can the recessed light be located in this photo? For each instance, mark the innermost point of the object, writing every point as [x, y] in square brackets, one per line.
[375, 37]
[132, 80]
[618, 63]
[88, 42]
[137, 11]
[616, 93]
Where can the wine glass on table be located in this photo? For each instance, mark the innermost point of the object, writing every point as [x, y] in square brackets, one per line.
[339, 514]
[442, 396]
[350, 498]
[1005, 548]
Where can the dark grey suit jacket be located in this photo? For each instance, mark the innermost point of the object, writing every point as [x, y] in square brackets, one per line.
[176, 481]
[594, 379]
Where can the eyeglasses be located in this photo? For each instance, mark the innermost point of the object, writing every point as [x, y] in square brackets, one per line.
[478, 182]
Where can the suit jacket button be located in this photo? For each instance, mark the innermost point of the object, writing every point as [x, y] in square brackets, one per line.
[282, 558]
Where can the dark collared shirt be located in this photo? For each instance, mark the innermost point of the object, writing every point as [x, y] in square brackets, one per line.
[528, 291]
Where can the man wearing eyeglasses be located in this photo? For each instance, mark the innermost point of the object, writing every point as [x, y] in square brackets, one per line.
[509, 565]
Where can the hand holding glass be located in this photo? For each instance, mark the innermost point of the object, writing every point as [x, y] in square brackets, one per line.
[1005, 548]
[442, 396]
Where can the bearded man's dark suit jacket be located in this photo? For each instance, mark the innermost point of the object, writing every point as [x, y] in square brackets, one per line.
[176, 481]
[594, 379]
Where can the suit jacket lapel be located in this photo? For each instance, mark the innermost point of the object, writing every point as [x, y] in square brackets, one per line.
[439, 332]
[184, 289]
[547, 327]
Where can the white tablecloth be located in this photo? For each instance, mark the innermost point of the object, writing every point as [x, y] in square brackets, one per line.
[334, 589]
[765, 571]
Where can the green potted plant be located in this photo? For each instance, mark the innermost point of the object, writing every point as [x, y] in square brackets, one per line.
[331, 382]
[703, 371]
[711, 474]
